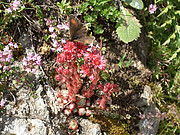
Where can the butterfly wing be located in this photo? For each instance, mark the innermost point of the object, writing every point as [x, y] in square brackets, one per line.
[85, 40]
[75, 26]
[78, 32]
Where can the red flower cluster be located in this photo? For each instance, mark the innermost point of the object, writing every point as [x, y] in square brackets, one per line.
[108, 89]
[75, 63]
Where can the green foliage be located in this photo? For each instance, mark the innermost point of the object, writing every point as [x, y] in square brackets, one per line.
[64, 7]
[138, 4]
[98, 11]
[163, 31]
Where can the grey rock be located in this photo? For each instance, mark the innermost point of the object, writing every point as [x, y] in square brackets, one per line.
[148, 125]
[88, 128]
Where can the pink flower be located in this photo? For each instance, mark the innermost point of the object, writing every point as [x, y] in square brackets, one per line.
[53, 35]
[66, 72]
[9, 10]
[31, 62]
[103, 102]
[72, 106]
[15, 5]
[51, 28]
[56, 46]
[85, 70]
[5, 68]
[152, 8]
[101, 87]
[49, 21]
[2, 103]
[88, 112]
[15, 45]
[59, 70]
[63, 41]
[63, 26]
[70, 47]
[99, 62]
[6, 55]
[178, 97]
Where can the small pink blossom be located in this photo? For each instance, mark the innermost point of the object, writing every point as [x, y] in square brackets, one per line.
[67, 112]
[152, 8]
[178, 97]
[13, 45]
[85, 70]
[63, 26]
[2, 103]
[5, 55]
[53, 35]
[5, 68]
[63, 41]
[88, 112]
[49, 21]
[51, 28]
[56, 46]
[9, 10]
[31, 63]
[99, 62]
[15, 4]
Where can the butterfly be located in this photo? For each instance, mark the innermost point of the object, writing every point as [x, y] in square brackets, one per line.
[78, 31]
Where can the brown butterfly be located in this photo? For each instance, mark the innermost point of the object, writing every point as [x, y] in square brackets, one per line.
[78, 32]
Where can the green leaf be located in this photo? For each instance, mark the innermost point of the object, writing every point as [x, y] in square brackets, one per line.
[138, 4]
[173, 36]
[121, 61]
[165, 10]
[168, 22]
[103, 2]
[31, 85]
[129, 29]
[175, 54]
[128, 63]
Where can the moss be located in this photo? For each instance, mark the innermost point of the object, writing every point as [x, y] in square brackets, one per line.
[110, 125]
[18, 53]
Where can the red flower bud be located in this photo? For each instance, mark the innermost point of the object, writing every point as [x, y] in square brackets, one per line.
[82, 111]
[105, 90]
[72, 106]
[59, 70]
[59, 100]
[103, 102]
[67, 112]
[73, 124]
[58, 77]
[100, 86]
[60, 58]
[88, 112]
[108, 85]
